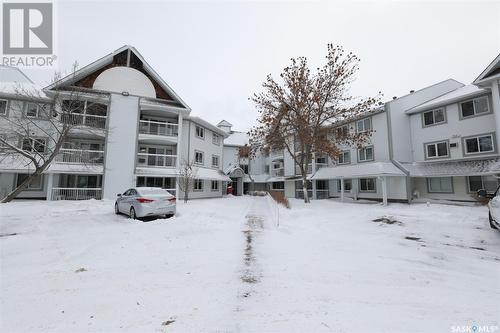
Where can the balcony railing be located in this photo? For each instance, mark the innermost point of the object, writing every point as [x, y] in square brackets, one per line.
[321, 165]
[156, 160]
[278, 172]
[80, 156]
[71, 193]
[322, 194]
[78, 119]
[158, 128]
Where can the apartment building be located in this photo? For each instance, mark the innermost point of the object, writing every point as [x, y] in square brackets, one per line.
[131, 126]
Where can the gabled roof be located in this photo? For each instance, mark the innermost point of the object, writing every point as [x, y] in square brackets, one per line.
[14, 82]
[224, 123]
[454, 96]
[493, 69]
[208, 125]
[238, 139]
[107, 60]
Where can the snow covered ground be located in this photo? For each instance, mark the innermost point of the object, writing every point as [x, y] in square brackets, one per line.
[224, 265]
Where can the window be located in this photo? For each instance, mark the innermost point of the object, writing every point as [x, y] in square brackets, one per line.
[279, 186]
[166, 183]
[364, 125]
[266, 168]
[440, 185]
[35, 184]
[244, 167]
[198, 157]
[365, 154]
[34, 110]
[344, 157]
[347, 185]
[216, 139]
[488, 183]
[200, 132]
[342, 131]
[434, 117]
[3, 107]
[475, 107]
[367, 185]
[479, 144]
[215, 185]
[436, 149]
[34, 145]
[215, 160]
[198, 185]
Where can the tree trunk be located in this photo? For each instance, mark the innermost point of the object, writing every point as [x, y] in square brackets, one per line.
[12, 195]
[186, 196]
[304, 189]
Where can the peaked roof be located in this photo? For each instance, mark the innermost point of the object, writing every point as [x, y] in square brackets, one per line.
[14, 82]
[107, 62]
[492, 69]
[224, 123]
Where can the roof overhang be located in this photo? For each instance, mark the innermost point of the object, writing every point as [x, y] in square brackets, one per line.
[484, 76]
[359, 170]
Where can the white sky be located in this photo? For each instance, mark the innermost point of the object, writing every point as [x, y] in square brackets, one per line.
[216, 54]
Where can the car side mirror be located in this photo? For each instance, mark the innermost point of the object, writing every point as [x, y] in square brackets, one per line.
[119, 195]
[482, 193]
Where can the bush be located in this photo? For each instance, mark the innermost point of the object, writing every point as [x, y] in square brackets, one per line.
[280, 198]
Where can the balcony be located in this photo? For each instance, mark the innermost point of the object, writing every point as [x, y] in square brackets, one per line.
[278, 172]
[158, 128]
[321, 165]
[297, 169]
[80, 119]
[156, 160]
[71, 193]
[79, 156]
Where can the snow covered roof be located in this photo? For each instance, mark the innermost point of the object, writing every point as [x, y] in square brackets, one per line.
[262, 178]
[490, 72]
[210, 174]
[14, 82]
[238, 139]
[359, 170]
[456, 168]
[156, 171]
[208, 125]
[456, 95]
[224, 123]
[276, 179]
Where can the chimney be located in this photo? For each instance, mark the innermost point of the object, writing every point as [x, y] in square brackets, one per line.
[394, 97]
[412, 91]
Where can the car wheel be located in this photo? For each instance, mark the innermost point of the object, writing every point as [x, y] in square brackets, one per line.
[132, 213]
[492, 224]
[116, 208]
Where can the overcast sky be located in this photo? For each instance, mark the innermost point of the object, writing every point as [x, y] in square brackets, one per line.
[216, 54]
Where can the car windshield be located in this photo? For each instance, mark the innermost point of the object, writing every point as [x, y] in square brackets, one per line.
[152, 191]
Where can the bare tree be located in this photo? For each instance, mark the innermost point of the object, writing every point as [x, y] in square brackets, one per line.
[298, 114]
[187, 175]
[38, 127]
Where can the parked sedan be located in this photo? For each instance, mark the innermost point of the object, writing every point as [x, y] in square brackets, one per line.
[140, 202]
[493, 206]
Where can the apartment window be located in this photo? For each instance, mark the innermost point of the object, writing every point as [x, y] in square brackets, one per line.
[364, 125]
[35, 184]
[215, 160]
[488, 183]
[3, 107]
[344, 157]
[244, 167]
[347, 185]
[436, 149]
[216, 139]
[34, 145]
[198, 185]
[367, 185]
[200, 132]
[365, 154]
[215, 185]
[198, 157]
[479, 144]
[342, 131]
[280, 186]
[440, 185]
[434, 117]
[34, 110]
[475, 107]
[266, 168]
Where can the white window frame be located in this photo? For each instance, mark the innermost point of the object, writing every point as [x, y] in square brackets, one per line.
[198, 185]
[346, 181]
[365, 158]
[477, 137]
[345, 152]
[32, 144]
[201, 133]
[363, 122]
[435, 143]
[37, 110]
[6, 112]
[29, 186]
[216, 139]
[216, 157]
[434, 123]
[368, 190]
[216, 188]
[196, 152]
[430, 190]
[344, 129]
[476, 114]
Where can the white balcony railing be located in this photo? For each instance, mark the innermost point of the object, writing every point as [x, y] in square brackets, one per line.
[80, 156]
[321, 165]
[158, 128]
[71, 193]
[156, 160]
[84, 120]
[278, 172]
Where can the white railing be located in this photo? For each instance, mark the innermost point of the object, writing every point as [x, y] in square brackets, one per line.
[80, 156]
[84, 120]
[278, 172]
[156, 160]
[158, 128]
[322, 194]
[321, 165]
[71, 193]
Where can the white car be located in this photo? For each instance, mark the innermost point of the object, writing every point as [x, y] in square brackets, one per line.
[493, 206]
[138, 202]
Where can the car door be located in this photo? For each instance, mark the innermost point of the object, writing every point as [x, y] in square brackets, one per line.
[495, 206]
[122, 201]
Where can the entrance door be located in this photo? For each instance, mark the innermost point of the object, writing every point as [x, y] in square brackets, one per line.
[234, 184]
